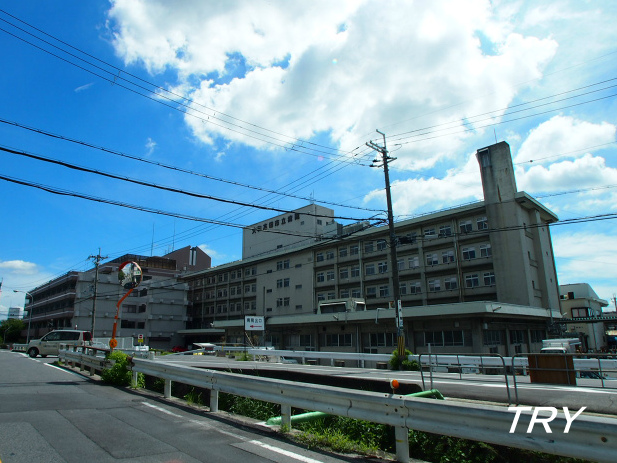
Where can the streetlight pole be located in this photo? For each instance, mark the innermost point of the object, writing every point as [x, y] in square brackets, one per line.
[29, 311]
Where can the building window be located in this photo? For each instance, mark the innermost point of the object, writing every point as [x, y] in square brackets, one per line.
[450, 283]
[472, 281]
[400, 264]
[355, 271]
[354, 249]
[330, 275]
[321, 297]
[492, 337]
[368, 246]
[321, 277]
[447, 257]
[486, 250]
[429, 232]
[344, 293]
[338, 340]
[344, 273]
[383, 339]
[382, 267]
[517, 336]
[482, 223]
[580, 312]
[342, 252]
[371, 292]
[329, 255]
[445, 230]
[282, 283]
[414, 262]
[537, 335]
[432, 259]
[402, 289]
[282, 264]
[319, 257]
[434, 285]
[381, 245]
[469, 253]
[415, 288]
[331, 296]
[384, 291]
[489, 279]
[370, 269]
[465, 226]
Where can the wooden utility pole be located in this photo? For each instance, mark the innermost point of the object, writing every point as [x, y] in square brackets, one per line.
[97, 260]
[385, 158]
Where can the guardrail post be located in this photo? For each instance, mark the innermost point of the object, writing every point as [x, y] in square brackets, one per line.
[286, 416]
[168, 388]
[135, 377]
[214, 400]
[401, 435]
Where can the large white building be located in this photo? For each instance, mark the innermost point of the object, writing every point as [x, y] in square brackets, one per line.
[475, 278]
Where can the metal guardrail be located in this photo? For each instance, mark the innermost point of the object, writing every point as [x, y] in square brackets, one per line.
[92, 358]
[19, 347]
[589, 437]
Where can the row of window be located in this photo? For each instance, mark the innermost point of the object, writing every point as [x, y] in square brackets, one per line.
[413, 262]
[437, 338]
[412, 287]
[465, 226]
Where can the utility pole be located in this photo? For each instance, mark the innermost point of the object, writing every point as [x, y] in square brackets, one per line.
[385, 158]
[97, 259]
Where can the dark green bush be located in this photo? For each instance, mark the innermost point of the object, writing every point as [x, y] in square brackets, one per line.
[118, 374]
[398, 362]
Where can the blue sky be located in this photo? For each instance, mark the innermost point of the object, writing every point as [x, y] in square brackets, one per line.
[246, 98]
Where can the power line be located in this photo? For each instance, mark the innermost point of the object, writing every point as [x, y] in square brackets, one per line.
[153, 185]
[62, 192]
[171, 167]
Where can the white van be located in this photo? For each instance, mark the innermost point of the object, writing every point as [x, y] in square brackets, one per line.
[50, 343]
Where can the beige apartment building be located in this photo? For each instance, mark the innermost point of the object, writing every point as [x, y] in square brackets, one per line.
[475, 278]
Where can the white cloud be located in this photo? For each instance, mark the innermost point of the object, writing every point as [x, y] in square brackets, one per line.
[426, 194]
[563, 136]
[346, 71]
[18, 267]
[214, 255]
[150, 145]
[18, 275]
[585, 172]
[577, 263]
[84, 87]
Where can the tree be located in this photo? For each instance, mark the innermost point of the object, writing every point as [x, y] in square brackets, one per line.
[11, 330]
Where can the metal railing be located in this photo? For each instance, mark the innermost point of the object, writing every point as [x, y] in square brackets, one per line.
[463, 364]
[86, 357]
[589, 437]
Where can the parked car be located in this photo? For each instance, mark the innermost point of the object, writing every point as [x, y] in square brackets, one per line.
[50, 343]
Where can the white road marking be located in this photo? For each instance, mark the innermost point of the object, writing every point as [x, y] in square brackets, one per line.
[162, 410]
[286, 453]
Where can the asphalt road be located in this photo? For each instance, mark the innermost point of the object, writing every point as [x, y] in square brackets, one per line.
[51, 415]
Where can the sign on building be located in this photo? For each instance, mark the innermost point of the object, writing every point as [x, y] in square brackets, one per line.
[252, 323]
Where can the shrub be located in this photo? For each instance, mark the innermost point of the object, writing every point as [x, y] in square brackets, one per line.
[118, 374]
[403, 363]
